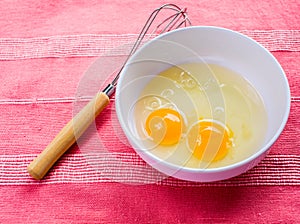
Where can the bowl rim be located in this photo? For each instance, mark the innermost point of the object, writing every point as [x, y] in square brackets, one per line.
[241, 163]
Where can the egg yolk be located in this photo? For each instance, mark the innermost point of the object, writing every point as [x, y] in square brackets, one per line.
[211, 141]
[164, 126]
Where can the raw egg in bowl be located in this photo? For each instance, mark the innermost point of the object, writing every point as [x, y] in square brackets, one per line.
[197, 104]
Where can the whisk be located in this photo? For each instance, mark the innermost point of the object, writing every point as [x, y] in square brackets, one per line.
[38, 168]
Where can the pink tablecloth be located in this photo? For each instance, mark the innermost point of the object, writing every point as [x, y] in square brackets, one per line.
[46, 49]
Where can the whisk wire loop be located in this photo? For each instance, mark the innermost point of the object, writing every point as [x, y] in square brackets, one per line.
[174, 21]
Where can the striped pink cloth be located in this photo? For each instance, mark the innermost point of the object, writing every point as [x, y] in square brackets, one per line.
[46, 50]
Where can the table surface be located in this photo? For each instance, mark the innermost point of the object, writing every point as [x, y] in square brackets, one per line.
[48, 51]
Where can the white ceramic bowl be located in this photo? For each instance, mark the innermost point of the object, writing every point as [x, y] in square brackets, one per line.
[223, 46]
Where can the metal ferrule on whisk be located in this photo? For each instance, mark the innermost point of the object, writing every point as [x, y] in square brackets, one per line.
[109, 90]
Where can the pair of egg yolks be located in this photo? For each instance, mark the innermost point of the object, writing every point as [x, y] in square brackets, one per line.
[211, 140]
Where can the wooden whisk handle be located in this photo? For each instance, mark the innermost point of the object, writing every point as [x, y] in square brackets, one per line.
[67, 136]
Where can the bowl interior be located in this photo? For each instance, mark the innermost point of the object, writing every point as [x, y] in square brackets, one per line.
[206, 44]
